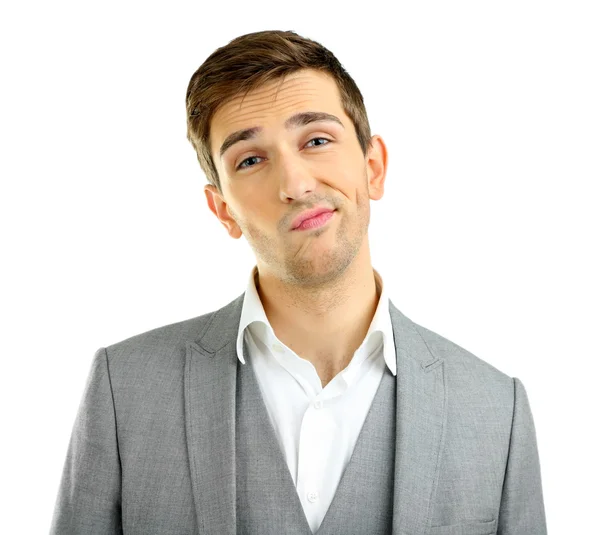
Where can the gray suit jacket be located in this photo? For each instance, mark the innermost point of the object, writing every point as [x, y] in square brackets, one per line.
[152, 448]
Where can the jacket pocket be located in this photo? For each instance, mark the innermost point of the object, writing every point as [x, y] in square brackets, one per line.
[466, 528]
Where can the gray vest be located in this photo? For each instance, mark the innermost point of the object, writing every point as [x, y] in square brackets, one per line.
[267, 500]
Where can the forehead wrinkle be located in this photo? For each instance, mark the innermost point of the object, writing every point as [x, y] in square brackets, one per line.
[275, 87]
[285, 103]
[266, 101]
[259, 107]
[253, 103]
[290, 103]
[290, 86]
[236, 116]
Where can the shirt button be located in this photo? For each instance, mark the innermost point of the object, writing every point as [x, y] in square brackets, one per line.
[318, 404]
[312, 496]
[278, 348]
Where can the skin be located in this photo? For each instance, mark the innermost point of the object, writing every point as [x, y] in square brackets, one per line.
[317, 286]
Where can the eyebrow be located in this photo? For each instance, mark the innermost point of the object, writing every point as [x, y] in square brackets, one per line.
[295, 121]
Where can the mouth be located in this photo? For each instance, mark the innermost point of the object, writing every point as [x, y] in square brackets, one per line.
[316, 222]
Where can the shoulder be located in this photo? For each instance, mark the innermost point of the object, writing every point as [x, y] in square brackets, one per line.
[467, 375]
[161, 349]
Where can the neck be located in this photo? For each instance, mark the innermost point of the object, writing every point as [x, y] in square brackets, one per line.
[323, 325]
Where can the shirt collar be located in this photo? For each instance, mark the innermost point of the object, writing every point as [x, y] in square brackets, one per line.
[253, 311]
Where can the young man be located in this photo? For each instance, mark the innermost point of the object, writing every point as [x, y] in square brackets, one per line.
[310, 403]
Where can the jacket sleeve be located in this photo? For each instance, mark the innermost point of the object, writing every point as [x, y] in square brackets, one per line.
[89, 496]
[522, 505]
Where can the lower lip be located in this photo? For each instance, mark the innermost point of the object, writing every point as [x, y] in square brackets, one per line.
[315, 222]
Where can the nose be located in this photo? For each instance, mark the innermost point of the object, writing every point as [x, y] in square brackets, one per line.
[296, 178]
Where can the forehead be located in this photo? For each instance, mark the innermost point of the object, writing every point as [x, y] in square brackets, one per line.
[272, 103]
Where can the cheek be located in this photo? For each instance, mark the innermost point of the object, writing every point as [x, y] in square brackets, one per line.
[348, 164]
[259, 218]
[350, 179]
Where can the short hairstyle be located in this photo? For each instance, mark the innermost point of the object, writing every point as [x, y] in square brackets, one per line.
[250, 61]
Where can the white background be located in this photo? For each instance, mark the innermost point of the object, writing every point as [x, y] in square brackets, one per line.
[487, 233]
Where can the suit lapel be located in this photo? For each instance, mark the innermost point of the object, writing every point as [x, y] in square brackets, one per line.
[210, 388]
[420, 426]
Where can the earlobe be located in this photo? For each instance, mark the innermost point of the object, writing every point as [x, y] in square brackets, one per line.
[376, 167]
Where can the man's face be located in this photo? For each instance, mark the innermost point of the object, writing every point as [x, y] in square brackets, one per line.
[270, 177]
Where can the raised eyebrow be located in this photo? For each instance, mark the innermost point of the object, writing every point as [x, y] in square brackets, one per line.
[240, 135]
[295, 121]
[307, 117]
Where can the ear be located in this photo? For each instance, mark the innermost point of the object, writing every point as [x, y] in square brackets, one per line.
[218, 206]
[376, 164]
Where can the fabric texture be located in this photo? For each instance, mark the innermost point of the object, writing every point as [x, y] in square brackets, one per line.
[153, 447]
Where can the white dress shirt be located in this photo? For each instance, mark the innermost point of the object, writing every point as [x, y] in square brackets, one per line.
[317, 428]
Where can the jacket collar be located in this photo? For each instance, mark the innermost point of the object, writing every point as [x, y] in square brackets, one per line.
[210, 387]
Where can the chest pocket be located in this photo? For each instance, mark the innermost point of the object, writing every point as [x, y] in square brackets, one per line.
[466, 528]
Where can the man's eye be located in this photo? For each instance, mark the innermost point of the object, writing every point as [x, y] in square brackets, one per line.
[242, 166]
[321, 138]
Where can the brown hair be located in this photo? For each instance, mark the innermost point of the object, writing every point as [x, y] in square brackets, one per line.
[254, 59]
